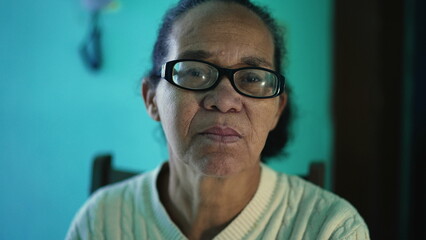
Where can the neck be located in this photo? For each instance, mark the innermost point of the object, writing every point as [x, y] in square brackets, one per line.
[202, 206]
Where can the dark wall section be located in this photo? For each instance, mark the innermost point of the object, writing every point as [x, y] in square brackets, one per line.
[380, 113]
[416, 153]
[367, 106]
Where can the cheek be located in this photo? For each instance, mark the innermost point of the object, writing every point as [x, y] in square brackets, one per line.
[262, 119]
[176, 109]
[267, 116]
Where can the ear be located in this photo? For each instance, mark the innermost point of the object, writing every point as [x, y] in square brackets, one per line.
[148, 94]
[281, 106]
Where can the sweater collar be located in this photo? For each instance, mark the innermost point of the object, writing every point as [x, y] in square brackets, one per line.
[241, 226]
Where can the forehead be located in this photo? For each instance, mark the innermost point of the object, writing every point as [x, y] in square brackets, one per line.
[222, 29]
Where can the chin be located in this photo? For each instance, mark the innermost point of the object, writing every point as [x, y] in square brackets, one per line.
[222, 166]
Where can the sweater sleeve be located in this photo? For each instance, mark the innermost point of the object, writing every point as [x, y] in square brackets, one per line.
[86, 223]
[344, 222]
[119, 211]
[353, 228]
[360, 233]
[319, 214]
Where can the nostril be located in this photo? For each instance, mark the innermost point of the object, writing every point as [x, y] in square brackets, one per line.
[221, 103]
[223, 98]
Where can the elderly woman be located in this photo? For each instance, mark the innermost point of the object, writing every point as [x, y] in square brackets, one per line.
[217, 91]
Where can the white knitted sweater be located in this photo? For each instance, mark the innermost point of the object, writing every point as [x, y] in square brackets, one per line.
[284, 207]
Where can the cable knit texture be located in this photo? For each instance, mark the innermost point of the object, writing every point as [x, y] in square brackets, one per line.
[284, 207]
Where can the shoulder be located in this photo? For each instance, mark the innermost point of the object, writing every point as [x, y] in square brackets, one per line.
[123, 191]
[327, 215]
[109, 209]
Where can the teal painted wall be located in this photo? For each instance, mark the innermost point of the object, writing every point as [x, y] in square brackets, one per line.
[55, 115]
[309, 72]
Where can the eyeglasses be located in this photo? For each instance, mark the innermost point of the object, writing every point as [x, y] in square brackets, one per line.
[197, 75]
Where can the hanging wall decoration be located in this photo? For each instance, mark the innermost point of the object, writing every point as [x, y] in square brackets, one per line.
[91, 48]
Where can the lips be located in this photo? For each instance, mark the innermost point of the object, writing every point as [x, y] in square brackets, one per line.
[222, 134]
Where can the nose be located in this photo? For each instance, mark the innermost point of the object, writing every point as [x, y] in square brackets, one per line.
[223, 98]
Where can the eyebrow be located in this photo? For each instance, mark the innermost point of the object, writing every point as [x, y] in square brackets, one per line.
[201, 54]
[196, 54]
[256, 61]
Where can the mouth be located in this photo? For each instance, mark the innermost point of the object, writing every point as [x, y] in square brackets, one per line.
[222, 134]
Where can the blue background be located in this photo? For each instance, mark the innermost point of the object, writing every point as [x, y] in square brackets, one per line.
[55, 114]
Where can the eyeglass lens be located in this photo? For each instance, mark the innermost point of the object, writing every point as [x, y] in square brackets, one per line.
[197, 76]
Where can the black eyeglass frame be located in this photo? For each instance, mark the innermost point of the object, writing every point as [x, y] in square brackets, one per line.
[167, 74]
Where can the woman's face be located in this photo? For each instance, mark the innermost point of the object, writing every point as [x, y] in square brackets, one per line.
[217, 132]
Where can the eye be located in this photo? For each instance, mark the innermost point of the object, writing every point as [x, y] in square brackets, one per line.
[194, 75]
[255, 82]
[194, 72]
[251, 78]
